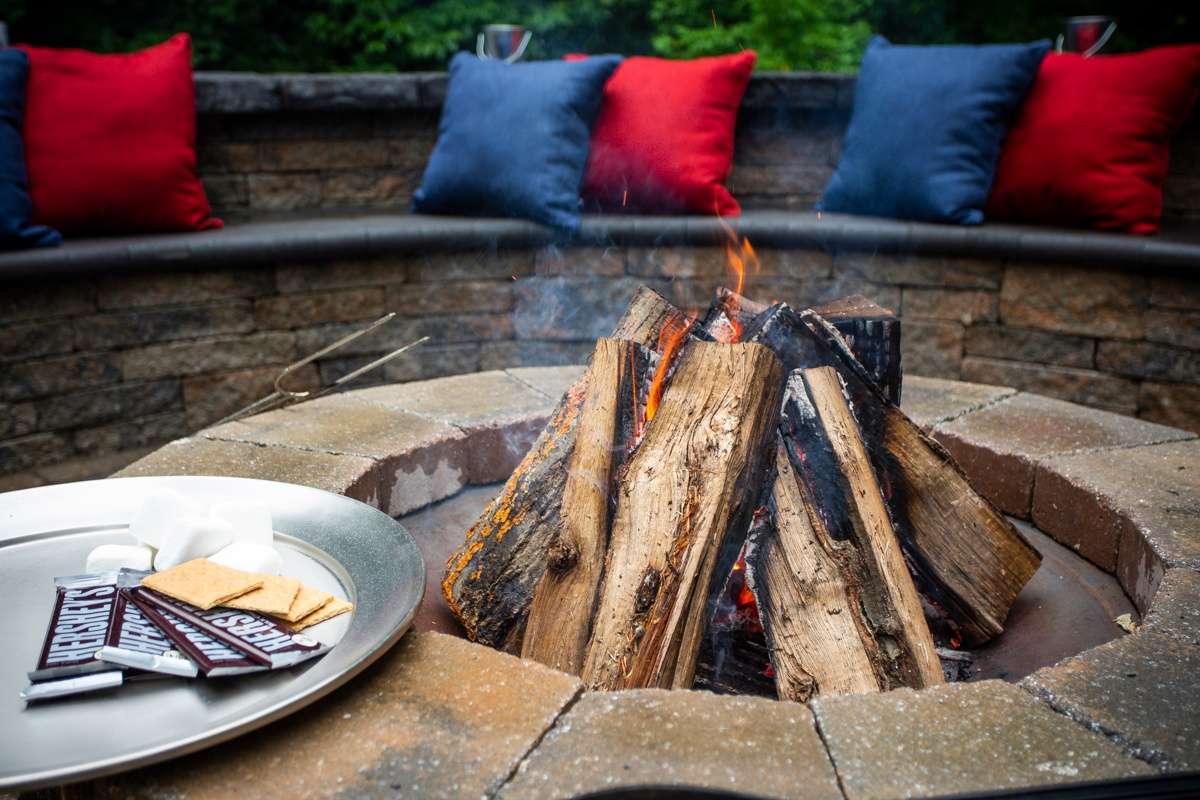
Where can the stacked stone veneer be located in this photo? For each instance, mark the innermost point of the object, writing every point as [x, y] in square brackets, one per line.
[300, 142]
[96, 369]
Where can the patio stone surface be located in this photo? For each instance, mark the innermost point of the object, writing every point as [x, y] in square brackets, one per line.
[692, 739]
[999, 446]
[352, 476]
[929, 401]
[1141, 502]
[1141, 690]
[436, 717]
[550, 381]
[499, 415]
[959, 738]
[1176, 607]
[420, 460]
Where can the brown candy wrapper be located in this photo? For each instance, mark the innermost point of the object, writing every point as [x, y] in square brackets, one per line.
[80, 624]
[263, 640]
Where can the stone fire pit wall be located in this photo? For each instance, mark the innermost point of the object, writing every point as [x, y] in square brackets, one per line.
[101, 365]
[441, 717]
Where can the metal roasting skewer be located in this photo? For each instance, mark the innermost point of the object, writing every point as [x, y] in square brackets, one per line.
[284, 397]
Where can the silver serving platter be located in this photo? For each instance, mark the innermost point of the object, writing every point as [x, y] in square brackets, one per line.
[332, 542]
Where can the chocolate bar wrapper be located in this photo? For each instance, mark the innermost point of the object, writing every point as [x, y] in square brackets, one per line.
[65, 687]
[137, 644]
[83, 614]
[213, 657]
[264, 640]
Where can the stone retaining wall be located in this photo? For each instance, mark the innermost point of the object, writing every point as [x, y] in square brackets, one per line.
[271, 143]
[98, 369]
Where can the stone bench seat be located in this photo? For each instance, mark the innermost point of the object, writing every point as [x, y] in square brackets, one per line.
[340, 236]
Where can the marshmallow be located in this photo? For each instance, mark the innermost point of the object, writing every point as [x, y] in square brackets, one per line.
[250, 558]
[251, 522]
[192, 537]
[109, 557]
[159, 514]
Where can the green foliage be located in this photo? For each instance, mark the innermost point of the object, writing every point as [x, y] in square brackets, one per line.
[385, 35]
[787, 34]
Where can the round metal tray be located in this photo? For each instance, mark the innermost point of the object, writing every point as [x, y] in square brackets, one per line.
[332, 542]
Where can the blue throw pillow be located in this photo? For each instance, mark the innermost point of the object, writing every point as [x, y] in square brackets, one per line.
[513, 140]
[927, 127]
[15, 206]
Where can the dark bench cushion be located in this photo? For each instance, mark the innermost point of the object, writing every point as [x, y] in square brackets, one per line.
[343, 237]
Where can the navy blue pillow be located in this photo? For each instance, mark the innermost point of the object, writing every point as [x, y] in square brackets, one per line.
[15, 206]
[927, 128]
[514, 138]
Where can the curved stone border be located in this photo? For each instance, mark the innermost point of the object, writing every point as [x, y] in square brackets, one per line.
[444, 717]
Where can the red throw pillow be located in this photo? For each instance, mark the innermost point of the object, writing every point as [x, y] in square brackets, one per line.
[1090, 147]
[110, 140]
[663, 141]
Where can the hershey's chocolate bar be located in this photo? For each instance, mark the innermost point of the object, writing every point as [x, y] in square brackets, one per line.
[83, 615]
[64, 687]
[137, 643]
[262, 639]
[213, 657]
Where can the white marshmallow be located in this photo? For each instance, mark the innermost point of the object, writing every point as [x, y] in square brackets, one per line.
[251, 522]
[159, 514]
[250, 558]
[192, 537]
[108, 557]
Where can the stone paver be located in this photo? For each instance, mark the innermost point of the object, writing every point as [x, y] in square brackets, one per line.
[352, 476]
[1142, 690]
[999, 446]
[692, 739]
[959, 738]
[550, 381]
[437, 717]
[500, 415]
[420, 460]
[929, 401]
[1175, 610]
[1147, 497]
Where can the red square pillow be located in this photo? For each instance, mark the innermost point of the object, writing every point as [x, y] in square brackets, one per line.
[1091, 145]
[663, 141]
[110, 140]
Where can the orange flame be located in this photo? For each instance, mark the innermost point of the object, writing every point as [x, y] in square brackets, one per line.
[740, 255]
[674, 332]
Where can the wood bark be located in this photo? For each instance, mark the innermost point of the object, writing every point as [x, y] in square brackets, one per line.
[489, 581]
[684, 501]
[968, 558]
[560, 615]
[863, 627]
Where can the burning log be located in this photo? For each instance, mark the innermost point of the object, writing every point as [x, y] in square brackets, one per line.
[871, 331]
[840, 610]
[967, 557]
[489, 581]
[560, 616]
[684, 503]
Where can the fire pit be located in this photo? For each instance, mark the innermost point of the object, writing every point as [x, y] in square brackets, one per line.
[1112, 710]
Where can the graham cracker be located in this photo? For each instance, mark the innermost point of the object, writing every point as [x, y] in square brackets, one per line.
[333, 608]
[307, 601]
[275, 596]
[202, 583]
